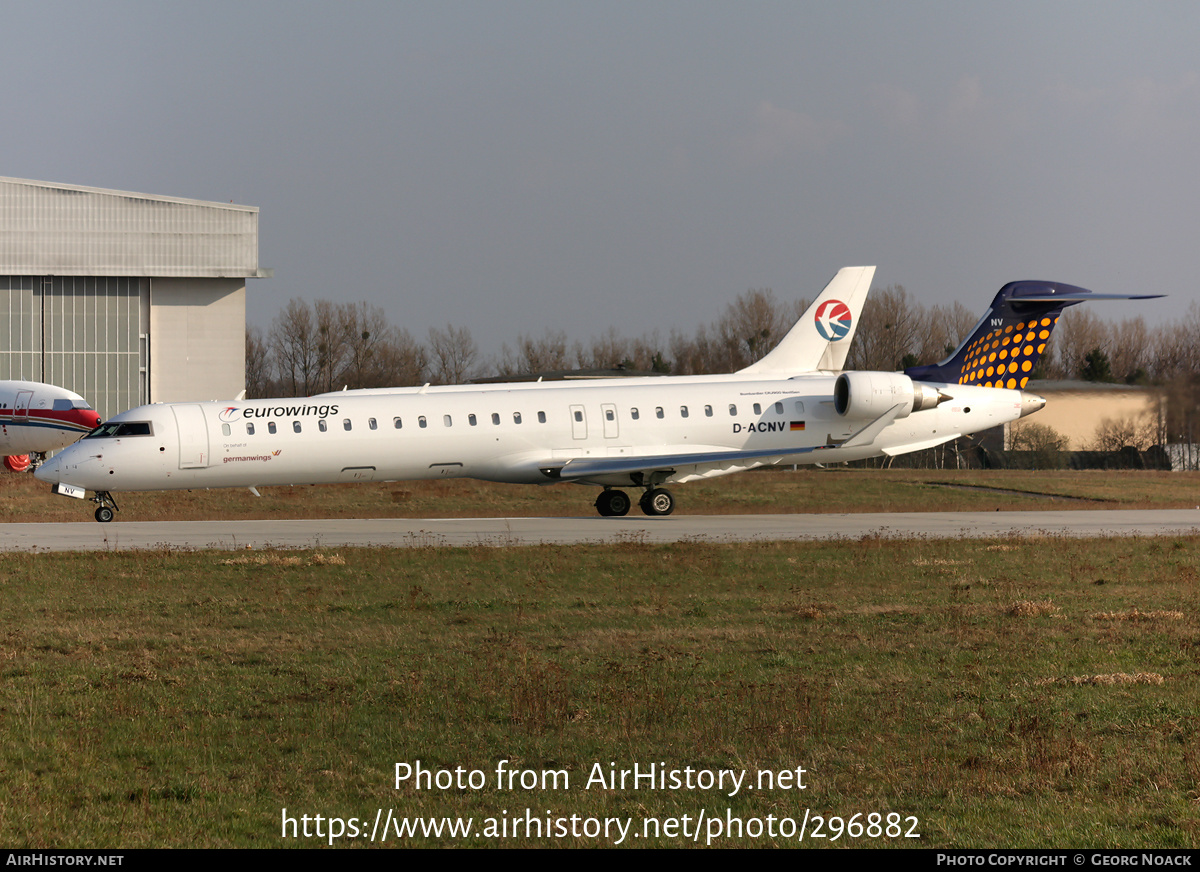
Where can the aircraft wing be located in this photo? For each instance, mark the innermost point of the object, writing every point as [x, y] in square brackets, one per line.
[579, 468]
[589, 467]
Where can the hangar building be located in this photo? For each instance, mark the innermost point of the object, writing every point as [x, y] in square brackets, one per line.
[124, 298]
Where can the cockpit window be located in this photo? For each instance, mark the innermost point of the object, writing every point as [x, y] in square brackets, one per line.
[116, 429]
[68, 405]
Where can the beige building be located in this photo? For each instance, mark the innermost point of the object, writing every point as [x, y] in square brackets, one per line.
[1085, 412]
[124, 298]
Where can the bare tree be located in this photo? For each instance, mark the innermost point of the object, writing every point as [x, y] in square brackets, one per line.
[752, 325]
[697, 355]
[1113, 434]
[1078, 332]
[889, 329]
[294, 342]
[335, 326]
[453, 354]
[1129, 350]
[1176, 348]
[1046, 446]
[946, 328]
[260, 367]
[369, 349]
[400, 360]
[547, 353]
[607, 351]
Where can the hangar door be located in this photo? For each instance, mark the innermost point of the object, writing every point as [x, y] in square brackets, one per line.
[86, 334]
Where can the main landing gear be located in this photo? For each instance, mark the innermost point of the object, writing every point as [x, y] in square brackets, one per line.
[105, 506]
[615, 503]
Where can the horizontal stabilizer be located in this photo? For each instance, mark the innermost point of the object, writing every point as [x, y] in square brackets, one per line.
[1087, 296]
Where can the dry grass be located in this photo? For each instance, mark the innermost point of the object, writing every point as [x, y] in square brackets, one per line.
[1139, 615]
[161, 698]
[1029, 609]
[23, 498]
[1109, 680]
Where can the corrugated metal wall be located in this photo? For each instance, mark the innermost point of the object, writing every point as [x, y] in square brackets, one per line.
[20, 329]
[68, 230]
[81, 333]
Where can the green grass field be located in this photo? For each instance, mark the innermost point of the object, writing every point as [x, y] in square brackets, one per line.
[1000, 693]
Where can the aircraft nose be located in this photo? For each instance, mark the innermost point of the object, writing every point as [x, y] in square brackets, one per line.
[89, 418]
[1031, 403]
[49, 470]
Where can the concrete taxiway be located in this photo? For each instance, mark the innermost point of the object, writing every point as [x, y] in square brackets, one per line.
[501, 532]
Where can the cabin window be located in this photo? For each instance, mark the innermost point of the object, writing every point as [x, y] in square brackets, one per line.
[346, 423]
[225, 431]
[372, 423]
[447, 420]
[634, 414]
[708, 411]
[610, 415]
[683, 412]
[495, 417]
[779, 408]
[516, 417]
[732, 410]
[799, 408]
[472, 420]
[421, 422]
[249, 429]
[758, 408]
[578, 416]
[541, 417]
[658, 411]
[271, 427]
[295, 426]
[323, 425]
[397, 423]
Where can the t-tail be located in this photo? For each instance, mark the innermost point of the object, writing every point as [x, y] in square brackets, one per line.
[1004, 348]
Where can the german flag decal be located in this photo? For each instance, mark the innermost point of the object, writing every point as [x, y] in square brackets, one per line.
[797, 425]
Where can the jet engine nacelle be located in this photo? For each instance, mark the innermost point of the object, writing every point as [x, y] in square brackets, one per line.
[871, 394]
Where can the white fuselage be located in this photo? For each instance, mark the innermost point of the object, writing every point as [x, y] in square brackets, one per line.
[507, 433]
[36, 418]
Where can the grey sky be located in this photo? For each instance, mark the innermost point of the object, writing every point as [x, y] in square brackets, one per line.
[512, 166]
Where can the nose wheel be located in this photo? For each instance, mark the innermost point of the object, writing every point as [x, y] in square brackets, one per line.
[106, 506]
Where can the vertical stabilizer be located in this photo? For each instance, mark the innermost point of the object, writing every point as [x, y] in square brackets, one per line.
[820, 340]
[1005, 346]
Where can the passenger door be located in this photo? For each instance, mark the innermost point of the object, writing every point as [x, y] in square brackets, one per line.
[193, 436]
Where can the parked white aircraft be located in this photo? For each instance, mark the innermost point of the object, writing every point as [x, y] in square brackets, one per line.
[612, 433]
[37, 418]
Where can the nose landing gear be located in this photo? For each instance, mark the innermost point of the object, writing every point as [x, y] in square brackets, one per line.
[105, 506]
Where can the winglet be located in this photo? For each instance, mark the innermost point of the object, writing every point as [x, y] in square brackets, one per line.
[820, 340]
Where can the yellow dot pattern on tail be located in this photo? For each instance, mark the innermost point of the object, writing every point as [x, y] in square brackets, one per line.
[1005, 357]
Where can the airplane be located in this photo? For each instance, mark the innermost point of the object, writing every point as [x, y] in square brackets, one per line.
[37, 418]
[617, 433]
